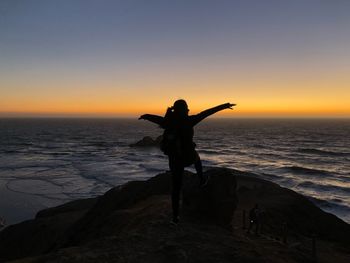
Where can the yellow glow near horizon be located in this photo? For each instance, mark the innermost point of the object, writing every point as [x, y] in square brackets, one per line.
[114, 106]
[260, 94]
[249, 103]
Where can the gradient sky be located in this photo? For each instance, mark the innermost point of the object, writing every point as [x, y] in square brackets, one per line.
[125, 58]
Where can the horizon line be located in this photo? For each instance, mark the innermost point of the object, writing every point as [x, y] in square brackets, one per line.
[136, 117]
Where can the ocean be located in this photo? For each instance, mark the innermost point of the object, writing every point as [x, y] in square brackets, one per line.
[47, 162]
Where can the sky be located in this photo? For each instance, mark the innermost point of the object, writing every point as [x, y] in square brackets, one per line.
[104, 58]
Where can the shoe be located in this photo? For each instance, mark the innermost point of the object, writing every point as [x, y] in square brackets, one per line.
[174, 221]
[204, 181]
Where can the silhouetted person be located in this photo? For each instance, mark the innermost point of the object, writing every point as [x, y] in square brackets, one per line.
[171, 144]
[254, 219]
[178, 144]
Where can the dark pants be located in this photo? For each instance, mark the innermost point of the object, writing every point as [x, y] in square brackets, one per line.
[177, 166]
[177, 169]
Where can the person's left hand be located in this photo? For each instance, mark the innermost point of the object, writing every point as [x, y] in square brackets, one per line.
[230, 105]
[142, 117]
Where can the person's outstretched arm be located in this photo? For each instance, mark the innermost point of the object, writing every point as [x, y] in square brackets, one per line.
[153, 118]
[202, 115]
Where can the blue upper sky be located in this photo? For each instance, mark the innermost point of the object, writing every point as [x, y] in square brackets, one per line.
[52, 29]
[49, 41]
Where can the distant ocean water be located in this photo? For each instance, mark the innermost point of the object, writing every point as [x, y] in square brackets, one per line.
[46, 162]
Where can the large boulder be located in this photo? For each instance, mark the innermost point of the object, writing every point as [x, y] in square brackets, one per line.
[215, 202]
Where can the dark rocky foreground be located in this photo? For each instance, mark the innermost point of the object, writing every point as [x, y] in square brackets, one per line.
[130, 223]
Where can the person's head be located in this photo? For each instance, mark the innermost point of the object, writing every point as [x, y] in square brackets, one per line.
[180, 108]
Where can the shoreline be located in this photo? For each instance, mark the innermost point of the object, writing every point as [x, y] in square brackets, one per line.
[17, 207]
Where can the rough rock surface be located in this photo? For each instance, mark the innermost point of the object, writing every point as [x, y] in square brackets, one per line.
[130, 223]
[148, 141]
